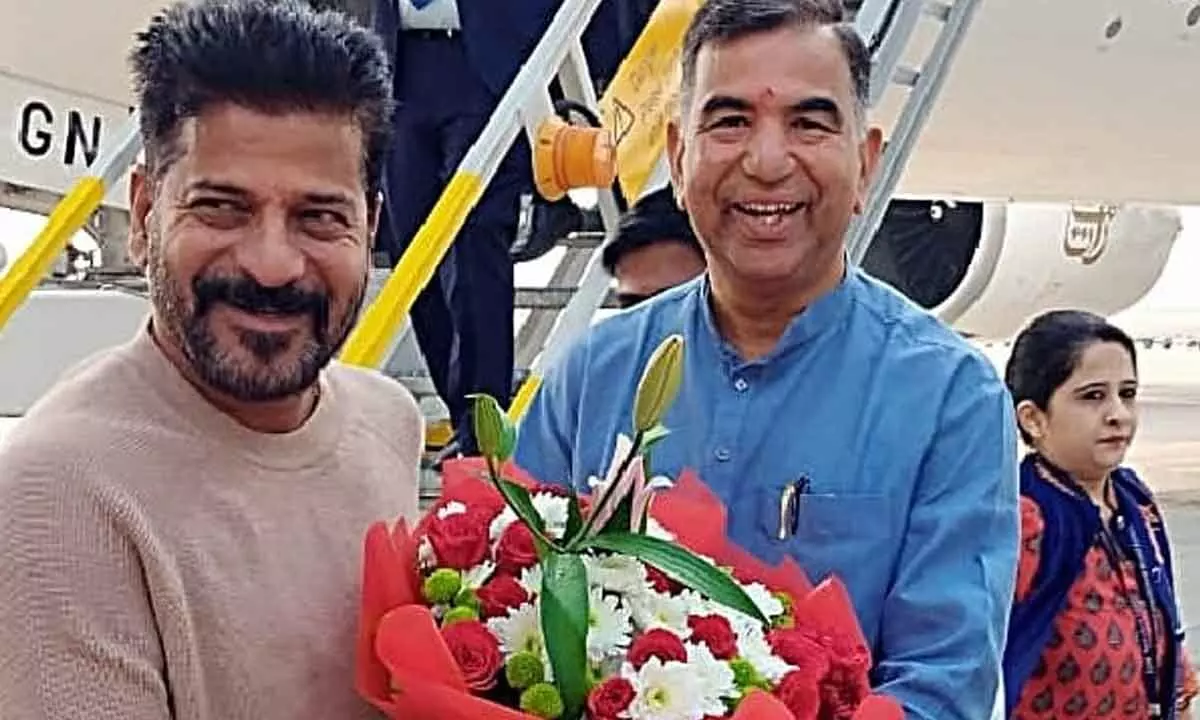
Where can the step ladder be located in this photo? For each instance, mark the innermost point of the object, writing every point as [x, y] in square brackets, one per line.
[561, 313]
[887, 27]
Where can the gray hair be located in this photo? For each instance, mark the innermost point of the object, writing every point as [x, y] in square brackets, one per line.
[720, 21]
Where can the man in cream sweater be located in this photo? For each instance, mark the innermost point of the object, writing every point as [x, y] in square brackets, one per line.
[181, 518]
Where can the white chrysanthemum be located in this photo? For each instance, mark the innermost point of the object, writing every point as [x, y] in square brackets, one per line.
[653, 610]
[531, 579]
[669, 691]
[742, 623]
[620, 574]
[767, 603]
[695, 603]
[478, 575]
[716, 678]
[551, 508]
[453, 507]
[755, 649]
[520, 631]
[610, 627]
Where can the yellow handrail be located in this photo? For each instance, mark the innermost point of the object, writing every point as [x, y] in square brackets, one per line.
[636, 107]
[371, 338]
[68, 217]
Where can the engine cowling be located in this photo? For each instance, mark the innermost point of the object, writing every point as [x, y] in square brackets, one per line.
[988, 267]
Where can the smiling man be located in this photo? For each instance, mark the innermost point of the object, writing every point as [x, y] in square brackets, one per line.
[181, 518]
[841, 425]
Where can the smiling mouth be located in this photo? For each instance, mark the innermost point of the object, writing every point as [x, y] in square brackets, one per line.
[266, 320]
[768, 213]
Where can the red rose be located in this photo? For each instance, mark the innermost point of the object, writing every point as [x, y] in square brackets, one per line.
[515, 551]
[662, 644]
[500, 594]
[800, 692]
[460, 541]
[610, 698]
[661, 582]
[715, 632]
[477, 652]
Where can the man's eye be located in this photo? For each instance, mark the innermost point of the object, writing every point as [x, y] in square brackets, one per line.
[327, 217]
[324, 222]
[219, 212]
[214, 204]
[808, 124]
[729, 121]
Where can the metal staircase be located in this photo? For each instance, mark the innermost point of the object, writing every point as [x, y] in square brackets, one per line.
[562, 311]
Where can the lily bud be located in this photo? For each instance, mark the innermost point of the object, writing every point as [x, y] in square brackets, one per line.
[659, 384]
[495, 434]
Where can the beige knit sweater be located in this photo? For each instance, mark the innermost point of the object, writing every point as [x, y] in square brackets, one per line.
[159, 560]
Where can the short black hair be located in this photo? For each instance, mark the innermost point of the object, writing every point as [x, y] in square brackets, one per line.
[269, 55]
[1047, 351]
[718, 21]
[653, 219]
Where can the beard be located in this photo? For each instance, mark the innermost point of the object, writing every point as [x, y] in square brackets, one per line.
[252, 366]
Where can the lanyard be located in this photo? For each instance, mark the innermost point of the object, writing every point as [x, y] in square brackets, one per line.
[1143, 621]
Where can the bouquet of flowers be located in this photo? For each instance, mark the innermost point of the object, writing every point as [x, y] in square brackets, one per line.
[513, 599]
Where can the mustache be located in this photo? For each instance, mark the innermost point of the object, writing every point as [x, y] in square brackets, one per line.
[244, 293]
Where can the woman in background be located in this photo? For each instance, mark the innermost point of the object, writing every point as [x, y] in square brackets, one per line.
[1095, 629]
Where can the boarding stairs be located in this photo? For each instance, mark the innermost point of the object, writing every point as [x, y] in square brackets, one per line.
[633, 110]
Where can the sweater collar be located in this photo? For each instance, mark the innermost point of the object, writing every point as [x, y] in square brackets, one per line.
[290, 450]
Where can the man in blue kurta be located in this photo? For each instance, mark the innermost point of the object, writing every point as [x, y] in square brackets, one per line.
[804, 377]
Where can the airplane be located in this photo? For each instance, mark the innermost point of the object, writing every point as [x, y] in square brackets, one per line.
[1049, 173]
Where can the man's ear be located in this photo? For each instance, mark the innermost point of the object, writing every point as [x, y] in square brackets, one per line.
[869, 151]
[373, 241]
[141, 202]
[675, 158]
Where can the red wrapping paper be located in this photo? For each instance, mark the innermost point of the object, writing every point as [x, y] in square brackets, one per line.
[405, 670]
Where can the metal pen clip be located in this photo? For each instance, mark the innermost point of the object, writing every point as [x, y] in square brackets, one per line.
[789, 507]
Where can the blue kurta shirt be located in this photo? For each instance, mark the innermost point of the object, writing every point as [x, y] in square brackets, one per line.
[902, 432]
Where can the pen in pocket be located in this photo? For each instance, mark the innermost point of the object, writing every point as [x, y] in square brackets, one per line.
[789, 507]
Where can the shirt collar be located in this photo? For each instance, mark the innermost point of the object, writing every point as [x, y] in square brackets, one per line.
[810, 323]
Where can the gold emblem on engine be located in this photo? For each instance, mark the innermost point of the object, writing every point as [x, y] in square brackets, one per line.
[1087, 231]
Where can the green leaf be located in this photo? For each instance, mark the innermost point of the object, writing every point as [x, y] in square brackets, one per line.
[574, 518]
[683, 566]
[564, 618]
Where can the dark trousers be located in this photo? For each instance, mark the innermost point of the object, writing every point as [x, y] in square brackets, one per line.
[463, 319]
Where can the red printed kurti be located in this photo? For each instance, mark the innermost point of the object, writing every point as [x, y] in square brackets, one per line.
[1092, 664]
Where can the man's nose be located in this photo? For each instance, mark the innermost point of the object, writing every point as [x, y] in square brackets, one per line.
[271, 254]
[769, 157]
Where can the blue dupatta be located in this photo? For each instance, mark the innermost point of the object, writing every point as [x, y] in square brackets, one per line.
[1072, 522]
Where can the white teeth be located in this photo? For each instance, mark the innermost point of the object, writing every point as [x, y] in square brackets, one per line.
[768, 209]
